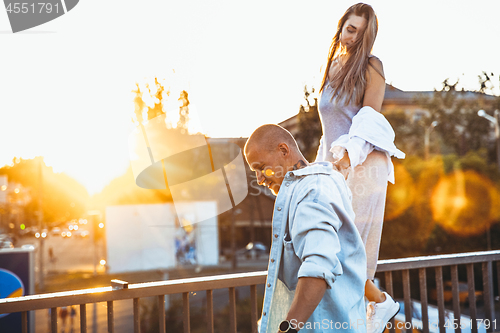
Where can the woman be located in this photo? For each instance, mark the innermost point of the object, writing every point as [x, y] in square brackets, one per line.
[358, 140]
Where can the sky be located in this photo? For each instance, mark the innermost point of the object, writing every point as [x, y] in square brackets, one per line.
[66, 86]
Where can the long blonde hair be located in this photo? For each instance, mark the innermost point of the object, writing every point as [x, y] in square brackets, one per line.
[350, 80]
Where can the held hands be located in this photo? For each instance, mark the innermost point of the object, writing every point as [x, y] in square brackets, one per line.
[340, 160]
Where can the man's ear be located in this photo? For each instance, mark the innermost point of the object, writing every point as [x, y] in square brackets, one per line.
[284, 150]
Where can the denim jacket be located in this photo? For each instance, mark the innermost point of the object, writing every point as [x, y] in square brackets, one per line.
[314, 236]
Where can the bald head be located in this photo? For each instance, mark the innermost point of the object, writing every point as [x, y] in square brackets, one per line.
[268, 137]
[271, 151]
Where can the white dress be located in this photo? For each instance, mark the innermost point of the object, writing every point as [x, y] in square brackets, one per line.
[367, 181]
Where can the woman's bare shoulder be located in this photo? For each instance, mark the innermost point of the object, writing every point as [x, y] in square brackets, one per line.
[375, 66]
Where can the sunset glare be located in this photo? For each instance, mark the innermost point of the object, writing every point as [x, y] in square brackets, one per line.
[67, 85]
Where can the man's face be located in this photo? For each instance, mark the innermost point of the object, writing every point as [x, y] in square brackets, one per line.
[269, 167]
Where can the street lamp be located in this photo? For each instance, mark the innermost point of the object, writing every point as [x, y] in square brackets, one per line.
[494, 120]
[427, 138]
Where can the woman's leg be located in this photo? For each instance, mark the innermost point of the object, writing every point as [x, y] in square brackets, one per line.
[372, 293]
[368, 184]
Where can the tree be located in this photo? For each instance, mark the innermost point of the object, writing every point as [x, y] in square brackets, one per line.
[309, 126]
[448, 202]
[183, 122]
[123, 189]
[63, 198]
[157, 109]
[458, 129]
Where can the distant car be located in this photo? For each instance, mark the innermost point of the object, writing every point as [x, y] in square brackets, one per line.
[81, 233]
[28, 247]
[72, 227]
[66, 234]
[6, 243]
[56, 231]
[257, 247]
[43, 234]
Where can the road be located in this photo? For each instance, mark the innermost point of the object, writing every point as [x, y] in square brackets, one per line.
[74, 254]
[123, 314]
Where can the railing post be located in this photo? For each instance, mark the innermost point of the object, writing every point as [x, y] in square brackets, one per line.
[185, 312]
[24, 322]
[137, 319]
[498, 277]
[422, 276]
[440, 298]
[83, 318]
[253, 307]
[472, 297]
[161, 313]
[111, 327]
[456, 297]
[488, 293]
[232, 310]
[210, 311]
[407, 296]
[53, 320]
[390, 291]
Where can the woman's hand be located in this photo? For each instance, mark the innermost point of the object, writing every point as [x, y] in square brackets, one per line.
[340, 160]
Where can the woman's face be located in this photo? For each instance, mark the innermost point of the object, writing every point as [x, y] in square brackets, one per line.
[352, 30]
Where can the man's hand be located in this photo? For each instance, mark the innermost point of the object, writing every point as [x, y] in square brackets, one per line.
[342, 163]
[308, 294]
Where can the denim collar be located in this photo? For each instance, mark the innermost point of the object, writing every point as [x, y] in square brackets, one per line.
[311, 169]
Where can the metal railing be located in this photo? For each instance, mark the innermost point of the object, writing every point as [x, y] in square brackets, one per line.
[140, 290]
[231, 281]
[437, 263]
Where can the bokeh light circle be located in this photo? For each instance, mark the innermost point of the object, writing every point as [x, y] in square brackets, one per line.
[401, 195]
[465, 203]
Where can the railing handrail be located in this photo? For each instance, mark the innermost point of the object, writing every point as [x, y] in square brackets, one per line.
[137, 290]
[437, 260]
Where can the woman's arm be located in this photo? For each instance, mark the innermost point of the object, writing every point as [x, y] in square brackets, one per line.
[374, 96]
[375, 84]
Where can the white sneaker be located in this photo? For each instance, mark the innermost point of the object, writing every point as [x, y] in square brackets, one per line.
[378, 314]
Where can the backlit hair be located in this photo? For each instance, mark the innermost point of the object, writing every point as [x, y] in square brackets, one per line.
[350, 80]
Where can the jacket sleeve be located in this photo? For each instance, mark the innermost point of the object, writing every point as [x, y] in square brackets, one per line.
[318, 217]
[357, 148]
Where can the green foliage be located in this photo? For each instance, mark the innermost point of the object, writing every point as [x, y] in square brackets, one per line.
[409, 136]
[459, 129]
[309, 125]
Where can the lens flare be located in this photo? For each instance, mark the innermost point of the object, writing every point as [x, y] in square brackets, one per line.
[401, 195]
[269, 172]
[465, 203]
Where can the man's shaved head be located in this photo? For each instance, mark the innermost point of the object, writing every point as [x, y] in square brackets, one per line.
[271, 151]
[268, 137]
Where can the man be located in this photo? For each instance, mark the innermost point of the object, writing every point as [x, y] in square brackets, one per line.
[317, 266]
